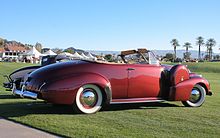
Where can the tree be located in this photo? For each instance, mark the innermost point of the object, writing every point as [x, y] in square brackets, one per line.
[38, 46]
[57, 50]
[209, 44]
[169, 56]
[216, 57]
[2, 42]
[186, 56]
[174, 43]
[70, 50]
[200, 42]
[187, 45]
[108, 57]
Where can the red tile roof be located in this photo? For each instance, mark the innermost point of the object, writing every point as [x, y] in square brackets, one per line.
[14, 47]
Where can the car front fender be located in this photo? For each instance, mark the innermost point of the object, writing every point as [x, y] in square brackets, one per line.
[182, 91]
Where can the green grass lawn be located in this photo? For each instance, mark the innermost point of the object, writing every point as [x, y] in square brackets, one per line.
[169, 119]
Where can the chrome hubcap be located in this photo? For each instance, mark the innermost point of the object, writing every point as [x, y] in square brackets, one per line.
[88, 98]
[195, 96]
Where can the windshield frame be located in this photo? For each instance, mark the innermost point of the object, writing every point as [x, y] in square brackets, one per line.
[150, 59]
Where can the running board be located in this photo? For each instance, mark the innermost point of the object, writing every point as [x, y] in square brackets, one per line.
[136, 100]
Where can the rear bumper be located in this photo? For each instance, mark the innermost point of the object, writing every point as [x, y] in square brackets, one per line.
[24, 94]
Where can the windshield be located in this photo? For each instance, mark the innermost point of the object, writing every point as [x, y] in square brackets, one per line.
[134, 57]
[152, 58]
[141, 58]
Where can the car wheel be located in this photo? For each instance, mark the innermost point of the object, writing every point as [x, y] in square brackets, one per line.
[197, 97]
[88, 99]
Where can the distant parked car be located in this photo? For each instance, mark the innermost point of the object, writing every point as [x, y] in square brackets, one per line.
[137, 77]
[16, 78]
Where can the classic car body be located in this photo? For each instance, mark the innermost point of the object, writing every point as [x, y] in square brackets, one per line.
[17, 77]
[88, 85]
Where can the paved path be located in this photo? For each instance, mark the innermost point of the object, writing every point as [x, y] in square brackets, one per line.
[9, 129]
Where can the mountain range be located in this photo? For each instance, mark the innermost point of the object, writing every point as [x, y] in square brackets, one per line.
[194, 53]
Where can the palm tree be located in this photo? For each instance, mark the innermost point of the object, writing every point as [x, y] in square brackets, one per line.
[175, 44]
[209, 44]
[200, 42]
[187, 45]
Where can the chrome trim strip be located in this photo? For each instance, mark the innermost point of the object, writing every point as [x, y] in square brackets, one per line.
[146, 101]
[42, 86]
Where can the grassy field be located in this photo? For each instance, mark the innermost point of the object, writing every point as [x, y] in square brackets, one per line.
[169, 119]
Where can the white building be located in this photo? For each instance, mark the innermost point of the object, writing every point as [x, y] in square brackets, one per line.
[11, 51]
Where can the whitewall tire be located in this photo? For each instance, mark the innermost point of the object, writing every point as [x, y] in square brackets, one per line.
[88, 99]
[197, 97]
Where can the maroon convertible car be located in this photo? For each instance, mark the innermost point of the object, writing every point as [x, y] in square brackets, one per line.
[135, 76]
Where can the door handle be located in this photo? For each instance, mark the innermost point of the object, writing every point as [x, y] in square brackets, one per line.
[130, 69]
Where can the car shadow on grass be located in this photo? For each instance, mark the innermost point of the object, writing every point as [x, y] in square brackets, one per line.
[9, 110]
[8, 97]
[131, 106]
[19, 108]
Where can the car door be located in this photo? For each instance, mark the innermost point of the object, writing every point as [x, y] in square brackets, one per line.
[118, 76]
[143, 80]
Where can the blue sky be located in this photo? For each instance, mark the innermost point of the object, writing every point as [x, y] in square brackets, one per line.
[110, 24]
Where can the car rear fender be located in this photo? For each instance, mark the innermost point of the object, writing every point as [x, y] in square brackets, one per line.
[182, 91]
[99, 80]
[68, 86]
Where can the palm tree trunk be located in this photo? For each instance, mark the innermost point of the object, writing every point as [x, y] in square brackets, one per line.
[207, 53]
[199, 57]
[174, 52]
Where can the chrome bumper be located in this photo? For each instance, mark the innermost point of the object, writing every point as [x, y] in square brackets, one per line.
[23, 93]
